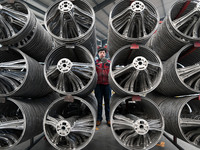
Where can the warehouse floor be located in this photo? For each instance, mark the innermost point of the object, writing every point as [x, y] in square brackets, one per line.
[104, 140]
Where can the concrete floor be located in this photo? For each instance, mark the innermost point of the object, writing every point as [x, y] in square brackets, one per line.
[104, 140]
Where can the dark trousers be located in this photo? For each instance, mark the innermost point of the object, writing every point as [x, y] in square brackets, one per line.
[103, 91]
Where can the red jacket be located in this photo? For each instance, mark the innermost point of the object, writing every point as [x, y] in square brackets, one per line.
[102, 71]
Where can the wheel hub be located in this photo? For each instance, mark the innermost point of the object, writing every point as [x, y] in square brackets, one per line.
[63, 128]
[141, 127]
[138, 6]
[66, 6]
[64, 65]
[140, 63]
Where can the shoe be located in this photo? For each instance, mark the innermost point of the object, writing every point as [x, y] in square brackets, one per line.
[108, 123]
[98, 123]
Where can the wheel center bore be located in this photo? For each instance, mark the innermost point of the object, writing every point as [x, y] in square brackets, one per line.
[63, 128]
[138, 6]
[141, 127]
[65, 6]
[64, 65]
[140, 63]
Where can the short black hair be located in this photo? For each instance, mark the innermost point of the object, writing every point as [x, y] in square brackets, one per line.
[102, 49]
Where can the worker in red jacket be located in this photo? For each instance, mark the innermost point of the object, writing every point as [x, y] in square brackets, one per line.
[103, 90]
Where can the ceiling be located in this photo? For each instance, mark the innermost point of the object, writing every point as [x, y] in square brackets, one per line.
[102, 9]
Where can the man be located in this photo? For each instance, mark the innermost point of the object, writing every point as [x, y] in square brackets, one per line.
[102, 90]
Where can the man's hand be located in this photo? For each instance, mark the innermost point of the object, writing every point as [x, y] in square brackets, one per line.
[104, 60]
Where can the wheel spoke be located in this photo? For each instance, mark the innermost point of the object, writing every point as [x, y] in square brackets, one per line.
[192, 82]
[125, 123]
[72, 143]
[13, 84]
[196, 140]
[190, 26]
[182, 20]
[52, 71]
[148, 79]
[84, 120]
[9, 29]
[121, 14]
[51, 121]
[128, 25]
[148, 13]
[81, 12]
[197, 85]
[129, 85]
[16, 64]
[191, 133]
[155, 125]
[122, 70]
[155, 64]
[125, 134]
[15, 14]
[195, 29]
[76, 29]
[87, 131]
[143, 24]
[7, 140]
[56, 138]
[9, 136]
[187, 122]
[54, 15]
[61, 82]
[189, 71]
[131, 136]
[75, 81]
[61, 24]
[13, 124]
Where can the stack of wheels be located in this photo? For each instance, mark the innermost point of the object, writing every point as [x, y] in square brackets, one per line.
[71, 70]
[70, 122]
[182, 116]
[181, 73]
[131, 22]
[72, 23]
[21, 119]
[20, 28]
[136, 124]
[179, 28]
[20, 75]
[135, 71]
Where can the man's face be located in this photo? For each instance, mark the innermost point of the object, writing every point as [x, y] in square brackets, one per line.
[101, 54]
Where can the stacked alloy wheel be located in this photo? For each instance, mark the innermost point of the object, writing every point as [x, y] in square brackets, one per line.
[20, 28]
[72, 23]
[21, 119]
[24, 92]
[135, 70]
[70, 121]
[176, 43]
